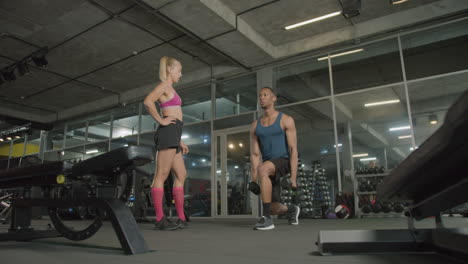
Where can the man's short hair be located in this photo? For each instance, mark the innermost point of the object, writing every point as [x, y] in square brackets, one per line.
[269, 88]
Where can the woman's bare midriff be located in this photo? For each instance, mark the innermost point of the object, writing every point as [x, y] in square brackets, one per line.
[175, 111]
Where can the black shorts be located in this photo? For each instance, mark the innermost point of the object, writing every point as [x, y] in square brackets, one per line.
[168, 136]
[282, 167]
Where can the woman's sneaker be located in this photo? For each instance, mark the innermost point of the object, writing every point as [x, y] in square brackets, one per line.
[182, 224]
[165, 225]
[264, 223]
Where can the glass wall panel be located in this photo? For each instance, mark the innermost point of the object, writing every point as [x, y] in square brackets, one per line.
[74, 154]
[147, 122]
[125, 121]
[366, 66]
[236, 96]
[235, 121]
[55, 139]
[430, 99]
[196, 104]
[302, 81]
[238, 173]
[378, 123]
[34, 143]
[96, 149]
[99, 128]
[124, 142]
[315, 137]
[56, 155]
[436, 51]
[4, 153]
[198, 164]
[76, 134]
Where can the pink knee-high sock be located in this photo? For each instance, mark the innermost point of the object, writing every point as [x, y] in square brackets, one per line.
[157, 194]
[178, 194]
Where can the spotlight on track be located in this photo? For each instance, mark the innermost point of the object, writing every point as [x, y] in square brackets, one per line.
[433, 119]
[9, 75]
[39, 59]
[351, 8]
[23, 68]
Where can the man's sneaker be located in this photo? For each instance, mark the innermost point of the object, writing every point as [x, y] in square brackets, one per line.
[165, 225]
[182, 224]
[293, 214]
[265, 223]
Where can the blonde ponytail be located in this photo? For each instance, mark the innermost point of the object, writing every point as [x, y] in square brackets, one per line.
[164, 63]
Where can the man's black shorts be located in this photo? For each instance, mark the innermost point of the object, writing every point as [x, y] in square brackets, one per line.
[168, 136]
[282, 167]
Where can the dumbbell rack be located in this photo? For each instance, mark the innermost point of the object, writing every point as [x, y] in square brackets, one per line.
[321, 196]
[365, 185]
[312, 194]
[288, 195]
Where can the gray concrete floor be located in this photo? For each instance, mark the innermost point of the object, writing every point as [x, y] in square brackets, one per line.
[218, 241]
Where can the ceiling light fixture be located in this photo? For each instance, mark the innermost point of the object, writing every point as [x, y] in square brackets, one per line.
[433, 119]
[382, 103]
[403, 137]
[368, 159]
[396, 2]
[340, 54]
[92, 151]
[360, 155]
[399, 128]
[313, 20]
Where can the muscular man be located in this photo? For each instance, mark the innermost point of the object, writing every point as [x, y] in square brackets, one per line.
[274, 137]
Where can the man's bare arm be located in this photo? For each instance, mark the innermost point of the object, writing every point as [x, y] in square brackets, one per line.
[254, 153]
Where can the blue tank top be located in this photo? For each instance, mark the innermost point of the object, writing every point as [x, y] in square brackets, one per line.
[272, 140]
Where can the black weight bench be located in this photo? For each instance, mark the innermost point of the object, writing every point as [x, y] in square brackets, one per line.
[434, 179]
[87, 184]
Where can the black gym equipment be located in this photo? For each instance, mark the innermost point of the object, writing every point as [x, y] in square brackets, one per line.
[5, 207]
[103, 182]
[253, 187]
[432, 177]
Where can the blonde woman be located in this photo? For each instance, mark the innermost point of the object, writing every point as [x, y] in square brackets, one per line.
[169, 145]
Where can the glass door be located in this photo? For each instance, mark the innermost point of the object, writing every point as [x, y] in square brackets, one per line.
[233, 173]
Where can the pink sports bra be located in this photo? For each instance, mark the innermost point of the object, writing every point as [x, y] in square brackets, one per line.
[175, 101]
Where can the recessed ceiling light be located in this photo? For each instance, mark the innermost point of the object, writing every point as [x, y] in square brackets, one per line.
[396, 2]
[433, 119]
[403, 137]
[360, 155]
[368, 159]
[382, 103]
[399, 128]
[313, 20]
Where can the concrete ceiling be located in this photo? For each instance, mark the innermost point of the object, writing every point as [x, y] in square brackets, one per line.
[106, 52]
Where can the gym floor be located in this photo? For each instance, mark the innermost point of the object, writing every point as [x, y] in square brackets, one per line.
[219, 241]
